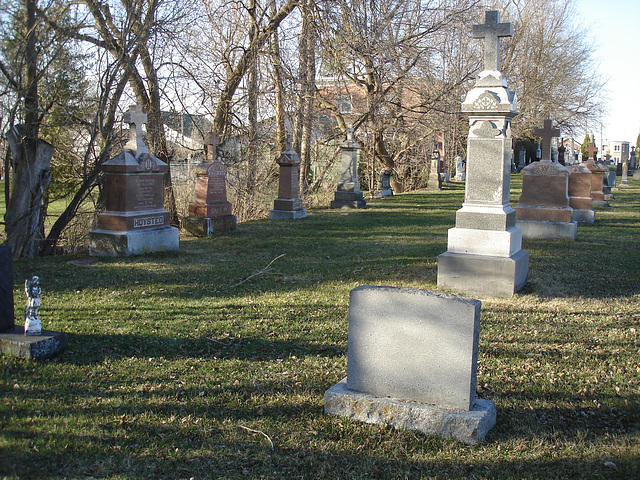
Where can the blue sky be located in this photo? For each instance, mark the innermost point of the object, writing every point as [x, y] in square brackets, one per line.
[615, 27]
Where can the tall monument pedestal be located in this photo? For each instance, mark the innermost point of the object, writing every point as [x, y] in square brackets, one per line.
[288, 205]
[348, 194]
[484, 255]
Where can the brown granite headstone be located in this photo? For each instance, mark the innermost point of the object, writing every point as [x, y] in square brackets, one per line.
[597, 177]
[580, 194]
[210, 212]
[134, 220]
[288, 205]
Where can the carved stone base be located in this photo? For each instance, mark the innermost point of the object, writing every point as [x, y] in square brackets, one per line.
[15, 343]
[107, 243]
[207, 226]
[287, 214]
[466, 426]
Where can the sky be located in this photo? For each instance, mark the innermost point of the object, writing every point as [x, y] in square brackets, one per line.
[615, 28]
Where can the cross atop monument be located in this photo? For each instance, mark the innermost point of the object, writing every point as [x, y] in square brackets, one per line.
[591, 151]
[546, 133]
[491, 31]
[211, 147]
[135, 117]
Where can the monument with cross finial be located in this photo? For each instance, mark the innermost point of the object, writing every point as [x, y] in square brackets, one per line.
[134, 220]
[491, 32]
[484, 255]
[210, 212]
[546, 133]
[348, 194]
[543, 211]
[288, 205]
[598, 172]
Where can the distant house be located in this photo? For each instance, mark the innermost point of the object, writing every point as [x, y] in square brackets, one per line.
[572, 150]
[615, 151]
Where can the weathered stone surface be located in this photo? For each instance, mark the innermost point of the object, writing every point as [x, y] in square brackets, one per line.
[548, 230]
[583, 215]
[287, 214]
[483, 275]
[14, 342]
[413, 344]
[107, 243]
[7, 319]
[210, 225]
[470, 426]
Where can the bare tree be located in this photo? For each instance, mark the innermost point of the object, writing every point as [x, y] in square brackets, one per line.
[550, 64]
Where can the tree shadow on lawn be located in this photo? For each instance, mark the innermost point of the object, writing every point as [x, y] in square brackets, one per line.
[132, 442]
[86, 349]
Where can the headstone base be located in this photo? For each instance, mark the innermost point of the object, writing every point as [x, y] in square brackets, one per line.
[287, 214]
[469, 427]
[107, 243]
[386, 192]
[348, 200]
[541, 230]
[207, 226]
[14, 343]
[582, 215]
[600, 203]
[483, 275]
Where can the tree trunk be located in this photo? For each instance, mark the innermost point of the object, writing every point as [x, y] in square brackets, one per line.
[281, 133]
[24, 219]
[308, 96]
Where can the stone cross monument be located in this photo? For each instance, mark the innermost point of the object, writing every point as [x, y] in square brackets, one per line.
[491, 31]
[543, 211]
[546, 133]
[484, 255]
[348, 194]
[135, 220]
[210, 212]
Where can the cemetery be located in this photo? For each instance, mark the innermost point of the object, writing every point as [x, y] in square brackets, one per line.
[216, 357]
[483, 326]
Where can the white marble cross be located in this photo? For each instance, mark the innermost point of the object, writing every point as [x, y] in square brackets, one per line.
[491, 31]
[211, 146]
[135, 117]
[546, 133]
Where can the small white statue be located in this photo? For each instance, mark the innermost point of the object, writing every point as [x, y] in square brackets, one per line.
[32, 324]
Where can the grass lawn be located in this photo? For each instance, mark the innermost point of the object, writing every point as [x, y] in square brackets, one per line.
[212, 362]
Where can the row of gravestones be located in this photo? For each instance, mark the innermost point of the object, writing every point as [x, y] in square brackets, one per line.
[135, 220]
[412, 354]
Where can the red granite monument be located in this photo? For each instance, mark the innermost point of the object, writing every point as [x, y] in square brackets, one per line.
[544, 211]
[288, 205]
[597, 177]
[210, 212]
[134, 220]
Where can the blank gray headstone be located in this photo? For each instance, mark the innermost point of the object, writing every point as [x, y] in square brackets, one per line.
[414, 344]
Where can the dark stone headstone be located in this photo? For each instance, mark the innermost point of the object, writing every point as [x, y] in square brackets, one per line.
[7, 321]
